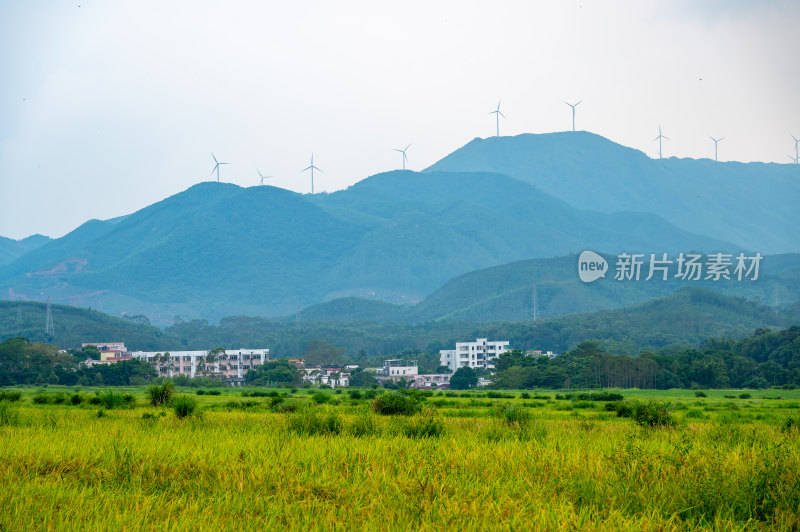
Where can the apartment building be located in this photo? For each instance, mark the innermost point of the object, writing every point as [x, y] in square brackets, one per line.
[478, 354]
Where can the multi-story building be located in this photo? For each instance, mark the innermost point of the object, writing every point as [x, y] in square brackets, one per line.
[399, 368]
[478, 354]
[229, 365]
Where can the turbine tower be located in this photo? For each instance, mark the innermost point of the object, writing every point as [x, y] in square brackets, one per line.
[658, 138]
[497, 115]
[405, 157]
[312, 168]
[573, 112]
[716, 141]
[216, 167]
[49, 329]
[263, 177]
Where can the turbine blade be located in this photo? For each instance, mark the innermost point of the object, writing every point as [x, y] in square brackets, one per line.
[664, 137]
[577, 104]
[407, 147]
[501, 114]
[212, 156]
[723, 138]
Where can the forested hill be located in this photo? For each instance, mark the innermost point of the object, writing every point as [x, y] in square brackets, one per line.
[686, 318]
[753, 205]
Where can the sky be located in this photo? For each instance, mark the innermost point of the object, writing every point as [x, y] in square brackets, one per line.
[107, 107]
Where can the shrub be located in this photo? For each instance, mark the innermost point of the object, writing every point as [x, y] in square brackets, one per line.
[365, 424]
[700, 393]
[653, 414]
[320, 397]
[695, 414]
[76, 399]
[213, 392]
[425, 425]
[354, 394]
[10, 396]
[275, 401]
[40, 399]
[184, 406]
[394, 403]
[202, 392]
[111, 399]
[791, 424]
[622, 408]
[309, 422]
[744, 395]
[58, 399]
[525, 395]
[161, 395]
[513, 414]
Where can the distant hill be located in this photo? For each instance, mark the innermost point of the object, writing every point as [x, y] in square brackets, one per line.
[11, 250]
[505, 293]
[685, 318]
[74, 326]
[217, 249]
[751, 204]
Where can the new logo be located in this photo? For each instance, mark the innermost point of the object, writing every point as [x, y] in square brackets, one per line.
[591, 266]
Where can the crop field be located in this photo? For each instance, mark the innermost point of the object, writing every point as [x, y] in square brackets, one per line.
[319, 459]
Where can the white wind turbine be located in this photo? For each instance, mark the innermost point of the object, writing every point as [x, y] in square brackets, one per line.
[216, 166]
[312, 168]
[658, 138]
[497, 113]
[573, 112]
[716, 141]
[405, 157]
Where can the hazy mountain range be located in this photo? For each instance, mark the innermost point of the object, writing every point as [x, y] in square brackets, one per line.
[217, 249]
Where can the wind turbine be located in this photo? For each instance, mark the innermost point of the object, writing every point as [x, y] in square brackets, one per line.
[497, 115]
[716, 141]
[658, 138]
[312, 168]
[263, 177]
[794, 159]
[796, 140]
[405, 157]
[216, 166]
[573, 112]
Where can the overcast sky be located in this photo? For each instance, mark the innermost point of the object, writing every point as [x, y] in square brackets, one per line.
[107, 107]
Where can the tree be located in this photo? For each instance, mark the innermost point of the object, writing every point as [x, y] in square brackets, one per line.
[319, 352]
[463, 379]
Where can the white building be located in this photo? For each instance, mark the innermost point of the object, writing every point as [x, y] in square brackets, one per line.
[334, 377]
[399, 368]
[478, 354]
[230, 365]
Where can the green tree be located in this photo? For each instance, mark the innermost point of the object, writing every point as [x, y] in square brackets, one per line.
[463, 379]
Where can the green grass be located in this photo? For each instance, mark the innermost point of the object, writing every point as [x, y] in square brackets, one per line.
[469, 463]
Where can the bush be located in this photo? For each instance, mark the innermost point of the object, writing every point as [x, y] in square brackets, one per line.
[354, 394]
[700, 393]
[364, 425]
[426, 425]
[161, 395]
[320, 397]
[201, 392]
[275, 401]
[744, 395]
[621, 408]
[10, 396]
[184, 406]
[524, 395]
[394, 403]
[309, 422]
[513, 414]
[695, 414]
[791, 424]
[111, 399]
[40, 399]
[76, 399]
[653, 414]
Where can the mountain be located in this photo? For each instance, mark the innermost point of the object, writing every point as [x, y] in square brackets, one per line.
[505, 293]
[74, 326]
[217, 249]
[686, 318]
[11, 250]
[751, 204]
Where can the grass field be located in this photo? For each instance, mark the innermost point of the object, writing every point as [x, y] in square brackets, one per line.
[465, 462]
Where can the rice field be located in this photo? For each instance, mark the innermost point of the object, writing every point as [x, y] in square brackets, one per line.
[318, 460]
